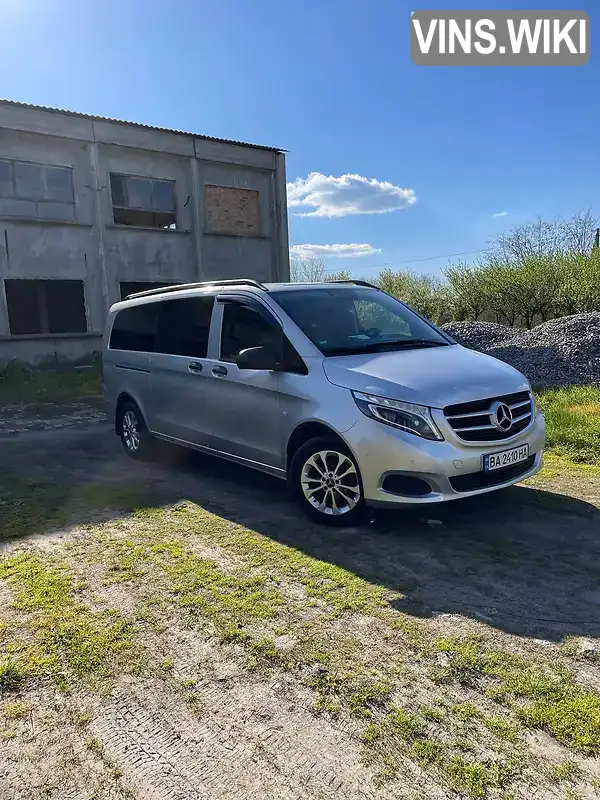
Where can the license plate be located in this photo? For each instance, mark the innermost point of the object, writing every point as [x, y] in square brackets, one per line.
[506, 458]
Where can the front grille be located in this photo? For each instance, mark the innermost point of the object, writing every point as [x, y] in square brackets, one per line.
[483, 480]
[472, 422]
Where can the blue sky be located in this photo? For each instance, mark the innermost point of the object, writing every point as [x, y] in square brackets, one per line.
[332, 83]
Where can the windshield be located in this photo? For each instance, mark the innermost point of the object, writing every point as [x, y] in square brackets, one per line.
[342, 321]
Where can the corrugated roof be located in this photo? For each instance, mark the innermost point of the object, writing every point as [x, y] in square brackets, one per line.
[137, 125]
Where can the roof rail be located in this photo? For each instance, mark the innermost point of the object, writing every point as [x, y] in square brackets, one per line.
[357, 282]
[180, 286]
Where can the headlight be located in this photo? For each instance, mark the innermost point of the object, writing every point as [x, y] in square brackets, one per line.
[534, 405]
[535, 409]
[408, 417]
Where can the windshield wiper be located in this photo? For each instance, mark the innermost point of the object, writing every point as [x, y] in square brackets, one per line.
[407, 343]
[395, 344]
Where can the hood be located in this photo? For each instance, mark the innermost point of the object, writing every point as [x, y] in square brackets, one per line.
[436, 376]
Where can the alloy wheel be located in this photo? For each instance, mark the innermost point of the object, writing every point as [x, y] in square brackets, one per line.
[330, 483]
[131, 431]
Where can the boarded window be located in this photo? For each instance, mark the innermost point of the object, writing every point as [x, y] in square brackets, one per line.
[36, 306]
[36, 190]
[132, 287]
[144, 202]
[232, 211]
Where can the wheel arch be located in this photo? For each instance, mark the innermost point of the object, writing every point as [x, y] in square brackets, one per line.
[306, 431]
[354, 504]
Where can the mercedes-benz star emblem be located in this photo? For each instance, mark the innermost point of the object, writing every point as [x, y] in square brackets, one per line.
[501, 416]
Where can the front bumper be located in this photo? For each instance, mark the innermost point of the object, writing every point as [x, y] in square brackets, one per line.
[382, 450]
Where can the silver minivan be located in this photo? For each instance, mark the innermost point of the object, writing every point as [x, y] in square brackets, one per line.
[337, 387]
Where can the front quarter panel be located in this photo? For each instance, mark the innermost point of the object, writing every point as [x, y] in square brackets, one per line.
[312, 398]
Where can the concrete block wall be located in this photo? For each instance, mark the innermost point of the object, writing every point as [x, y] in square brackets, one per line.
[95, 250]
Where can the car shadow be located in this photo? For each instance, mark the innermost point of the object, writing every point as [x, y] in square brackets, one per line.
[524, 560]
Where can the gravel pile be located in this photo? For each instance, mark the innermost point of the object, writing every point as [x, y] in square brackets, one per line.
[479, 335]
[561, 352]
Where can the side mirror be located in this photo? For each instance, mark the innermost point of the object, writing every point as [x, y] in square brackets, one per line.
[264, 358]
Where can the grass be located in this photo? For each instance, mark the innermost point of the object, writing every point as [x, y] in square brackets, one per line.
[249, 595]
[568, 770]
[431, 713]
[57, 636]
[197, 585]
[476, 778]
[328, 584]
[233, 603]
[21, 384]
[573, 718]
[368, 696]
[541, 695]
[573, 422]
[404, 732]
[499, 726]
[16, 710]
[557, 466]
[33, 507]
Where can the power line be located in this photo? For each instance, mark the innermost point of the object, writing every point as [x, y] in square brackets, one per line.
[415, 260]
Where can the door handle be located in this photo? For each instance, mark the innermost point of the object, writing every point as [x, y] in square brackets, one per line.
[195, 367]
[219, 370]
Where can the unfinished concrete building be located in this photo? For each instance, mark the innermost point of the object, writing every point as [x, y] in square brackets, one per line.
[92, 209]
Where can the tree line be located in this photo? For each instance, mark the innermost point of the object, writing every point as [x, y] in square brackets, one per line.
[529, 274]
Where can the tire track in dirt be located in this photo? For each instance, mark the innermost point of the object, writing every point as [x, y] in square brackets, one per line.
[247, 742]
[148, 750]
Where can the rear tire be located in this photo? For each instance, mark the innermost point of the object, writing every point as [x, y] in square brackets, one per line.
[325, 481]
[135, 437]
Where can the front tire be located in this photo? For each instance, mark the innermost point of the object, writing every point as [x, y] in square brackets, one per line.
[325, 480]
[137, 441]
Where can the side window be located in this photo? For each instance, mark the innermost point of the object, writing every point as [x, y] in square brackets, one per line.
[134, 328]
[293, 361]
[183, 326]
[243, 327]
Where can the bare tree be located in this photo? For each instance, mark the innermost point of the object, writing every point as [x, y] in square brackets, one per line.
[578, 233]
[529, 240]
[307, 270]
[542, 238]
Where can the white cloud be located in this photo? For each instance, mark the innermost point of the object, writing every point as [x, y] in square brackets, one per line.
[501, 214]
[335, 250]
[341, 196]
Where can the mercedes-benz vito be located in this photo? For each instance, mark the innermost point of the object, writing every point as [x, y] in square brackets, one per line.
[339, 388]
